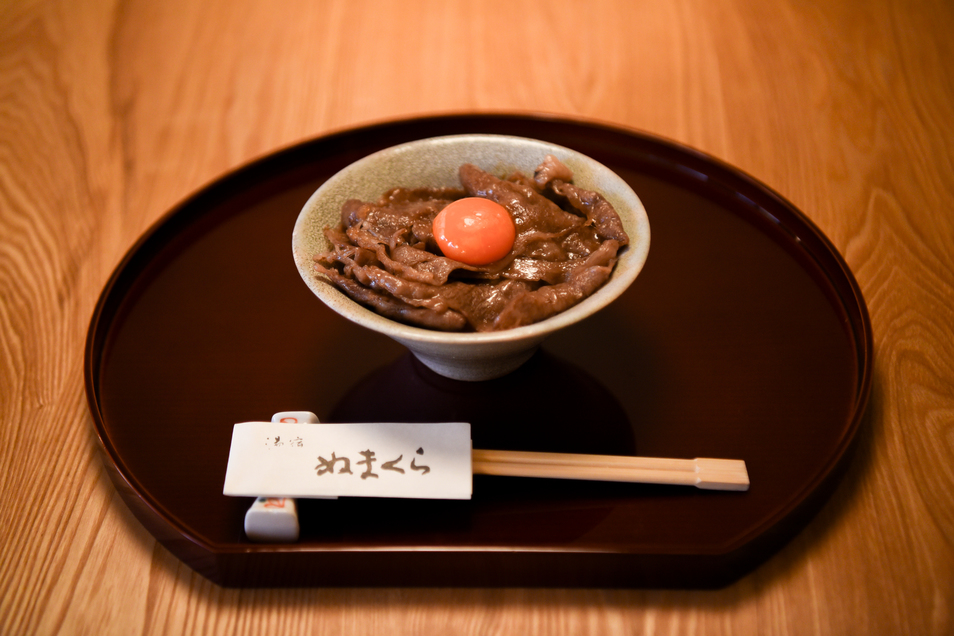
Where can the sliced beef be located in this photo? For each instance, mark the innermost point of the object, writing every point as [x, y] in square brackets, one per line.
[384, 254]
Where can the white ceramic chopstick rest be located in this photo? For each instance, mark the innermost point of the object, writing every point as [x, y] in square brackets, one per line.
[275, 519]
[272, 520]
[295, 417]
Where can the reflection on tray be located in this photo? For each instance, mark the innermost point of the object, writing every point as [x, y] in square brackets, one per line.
[548, 405]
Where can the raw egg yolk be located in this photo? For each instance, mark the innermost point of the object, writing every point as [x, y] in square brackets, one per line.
[474, 231]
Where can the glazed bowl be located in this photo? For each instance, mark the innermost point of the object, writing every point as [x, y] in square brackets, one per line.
[434, 162]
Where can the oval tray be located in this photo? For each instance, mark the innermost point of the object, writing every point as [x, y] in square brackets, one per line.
[745, 337]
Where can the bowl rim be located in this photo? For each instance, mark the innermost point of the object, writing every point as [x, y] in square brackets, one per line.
[635, 253]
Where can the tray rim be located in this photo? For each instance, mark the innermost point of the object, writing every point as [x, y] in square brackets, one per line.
[842, 279]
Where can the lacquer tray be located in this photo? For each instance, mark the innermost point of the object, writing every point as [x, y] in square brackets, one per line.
[744, 337]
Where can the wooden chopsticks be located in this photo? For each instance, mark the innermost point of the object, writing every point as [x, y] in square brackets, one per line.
[706, 473]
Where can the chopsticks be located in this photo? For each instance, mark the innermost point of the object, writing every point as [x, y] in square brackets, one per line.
[275, 519]
[705, 473]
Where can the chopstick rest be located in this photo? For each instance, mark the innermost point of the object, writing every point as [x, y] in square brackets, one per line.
[275, 519]
[272, 520]
[295, 417]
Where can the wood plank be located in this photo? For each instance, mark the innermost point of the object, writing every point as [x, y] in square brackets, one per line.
[112, 112]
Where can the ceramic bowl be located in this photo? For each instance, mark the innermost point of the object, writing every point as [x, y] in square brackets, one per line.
[435, 162]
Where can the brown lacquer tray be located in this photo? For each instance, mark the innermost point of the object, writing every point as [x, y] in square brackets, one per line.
[745, 337]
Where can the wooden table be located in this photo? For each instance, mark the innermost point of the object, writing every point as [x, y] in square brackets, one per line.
[112, 112]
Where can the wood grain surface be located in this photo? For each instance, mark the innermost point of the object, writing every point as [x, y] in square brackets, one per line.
[112, 111]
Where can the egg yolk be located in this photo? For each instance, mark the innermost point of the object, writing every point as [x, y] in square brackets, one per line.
[474, 231]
